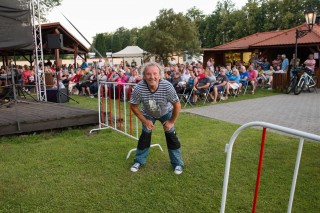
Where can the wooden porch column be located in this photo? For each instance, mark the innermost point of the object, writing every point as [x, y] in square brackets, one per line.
[75, 54]
[3, 61]
[57, 56]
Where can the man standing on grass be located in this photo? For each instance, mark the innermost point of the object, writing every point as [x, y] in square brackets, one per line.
[159, 102]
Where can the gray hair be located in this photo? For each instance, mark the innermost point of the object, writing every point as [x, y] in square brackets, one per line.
[236, 70]
[151, 64]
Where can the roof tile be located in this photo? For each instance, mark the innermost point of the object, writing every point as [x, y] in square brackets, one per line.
[273, 38]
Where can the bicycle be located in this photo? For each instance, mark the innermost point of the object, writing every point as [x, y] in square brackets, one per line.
[306, 81]
[293, 81]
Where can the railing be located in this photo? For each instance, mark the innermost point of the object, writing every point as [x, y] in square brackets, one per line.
[302, 135]
[113, 112]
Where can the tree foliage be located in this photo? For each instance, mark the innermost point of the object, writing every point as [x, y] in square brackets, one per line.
[47, 6]
[171, 33]
[174, 33]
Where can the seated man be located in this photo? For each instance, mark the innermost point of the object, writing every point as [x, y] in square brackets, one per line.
[293, 68]
[213, 80]
[85, 82]
[261, 78]
[269, 76]
[176, 78]
[167, 76]
[220, 84]
[244, 77]
[201, 85]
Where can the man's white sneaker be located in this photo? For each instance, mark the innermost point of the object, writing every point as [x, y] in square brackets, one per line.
[135, 167]
[178, 170]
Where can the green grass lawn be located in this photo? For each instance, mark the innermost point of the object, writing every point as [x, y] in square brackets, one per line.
[73, 171]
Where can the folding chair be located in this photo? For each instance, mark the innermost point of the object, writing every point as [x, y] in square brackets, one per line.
[244, 86]
[207, 92]
[205, 95]
[234, 92]
[221, 93]
[188, 95]
[185, 97]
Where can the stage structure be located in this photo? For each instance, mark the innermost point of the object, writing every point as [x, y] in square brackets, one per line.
[21, 31]
[38, 51]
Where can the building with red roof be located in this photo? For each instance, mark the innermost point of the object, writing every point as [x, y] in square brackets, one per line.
[266, 44]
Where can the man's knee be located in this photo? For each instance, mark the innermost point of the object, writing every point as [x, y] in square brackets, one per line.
[172, 140]
[144, 140]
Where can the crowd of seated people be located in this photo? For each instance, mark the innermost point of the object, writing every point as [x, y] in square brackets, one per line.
[219, 82]
[215, 82]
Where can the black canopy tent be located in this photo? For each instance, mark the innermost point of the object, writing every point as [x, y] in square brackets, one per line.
[16, 33]
[16, 26]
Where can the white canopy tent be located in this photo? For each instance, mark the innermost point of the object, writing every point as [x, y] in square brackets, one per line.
[130, 52]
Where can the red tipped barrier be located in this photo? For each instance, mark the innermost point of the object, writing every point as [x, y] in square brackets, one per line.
[256, 193]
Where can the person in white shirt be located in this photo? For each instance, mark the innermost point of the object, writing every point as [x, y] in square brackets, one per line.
[100, 63]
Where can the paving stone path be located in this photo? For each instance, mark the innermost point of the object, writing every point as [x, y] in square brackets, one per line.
[301, 112]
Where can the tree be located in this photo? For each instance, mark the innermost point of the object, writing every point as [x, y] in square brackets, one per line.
[254, 21]
[134, 36]
[171, 34]
[225, 26]
[195, 15]
[210, 30]
[239, 28]
[47, 6]
[100, 44]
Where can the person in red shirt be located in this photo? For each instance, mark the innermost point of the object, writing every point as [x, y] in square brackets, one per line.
[252, 78]
[25, 75]
[74, 81]
[310, 62]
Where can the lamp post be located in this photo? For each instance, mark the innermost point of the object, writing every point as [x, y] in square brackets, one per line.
[310, 16]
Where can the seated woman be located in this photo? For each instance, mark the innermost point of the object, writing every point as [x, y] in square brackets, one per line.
[191, 82]
[25, 75]
[86, 81]
[113, 76]
[167, 76]
[233, 82]
[102, 79]
[135, 78]
[92, 83]
[65, 77]
[57, 84]
[261, 78]
[31, 81]
[120, 86]
[74, 81]
[252, 78]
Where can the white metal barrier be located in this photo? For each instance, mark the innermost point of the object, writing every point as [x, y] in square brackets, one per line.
[113, 110]
[302, 135]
